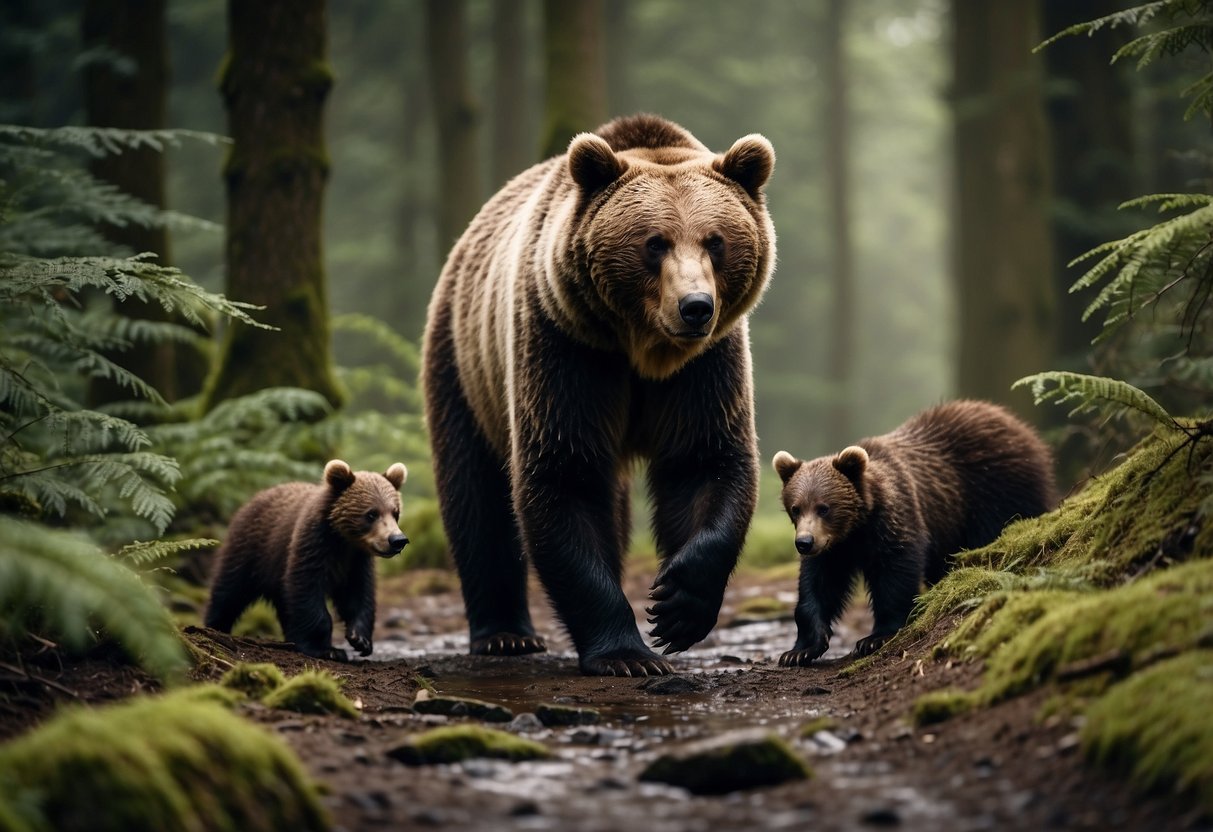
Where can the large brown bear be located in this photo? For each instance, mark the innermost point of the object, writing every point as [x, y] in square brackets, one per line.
[297, 543]
[594, 312]
[896, 507]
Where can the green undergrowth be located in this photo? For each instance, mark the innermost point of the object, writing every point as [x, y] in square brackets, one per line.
[253, 679]
[1156, 728]
[311, 692]
[174, 762]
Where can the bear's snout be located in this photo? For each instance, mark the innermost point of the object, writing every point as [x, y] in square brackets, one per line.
[804, 544]
[396, 541]
[696, 309]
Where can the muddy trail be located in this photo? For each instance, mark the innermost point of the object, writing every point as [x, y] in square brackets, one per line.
[1001, 768]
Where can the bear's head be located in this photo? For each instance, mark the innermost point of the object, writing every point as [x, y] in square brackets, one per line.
[676, 241]
[827, 498]
[366, 507]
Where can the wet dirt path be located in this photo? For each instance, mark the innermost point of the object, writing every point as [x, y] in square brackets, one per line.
[998, 769]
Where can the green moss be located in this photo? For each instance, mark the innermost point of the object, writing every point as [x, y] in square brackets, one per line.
[253, 679]
[729, 763]
[455, 743]
[762, 608]
[427, 703]
[171, 763]
[1165, 612]
[1157, 728]
[259, 621]
[555, 716]
[311, 692]
[940, 706]
[1000, 618]
[821, 723]
[213, 693]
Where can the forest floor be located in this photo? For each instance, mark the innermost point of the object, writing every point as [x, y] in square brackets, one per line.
[997, 768]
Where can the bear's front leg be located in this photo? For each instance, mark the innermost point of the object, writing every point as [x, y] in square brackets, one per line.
[825, 587]
[304, 616]
[893, 583]
[355, 603]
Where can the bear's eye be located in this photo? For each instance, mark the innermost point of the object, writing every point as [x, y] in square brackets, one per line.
[396, 515]
[372, 515]
[715, 245]
[822, 509]
[656, 245]
[794, 513]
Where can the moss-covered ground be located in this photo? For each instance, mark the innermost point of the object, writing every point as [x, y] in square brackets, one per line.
[1107, 602]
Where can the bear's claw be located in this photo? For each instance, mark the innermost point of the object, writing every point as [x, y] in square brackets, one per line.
[868, 646]
[797, 658]
[508, 644]
[627, 666]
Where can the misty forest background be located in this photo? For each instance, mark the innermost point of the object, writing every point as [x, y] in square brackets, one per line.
[935, 177]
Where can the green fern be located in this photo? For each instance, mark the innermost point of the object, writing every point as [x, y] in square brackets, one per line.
[63, 585]
[1093, 394]
[141, 554]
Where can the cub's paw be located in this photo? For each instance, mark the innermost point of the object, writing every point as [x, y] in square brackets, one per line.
[360, 642]
[507, 644]
[682, 613]
[626, 662]
[868, 646]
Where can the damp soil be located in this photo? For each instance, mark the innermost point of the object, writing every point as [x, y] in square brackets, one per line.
[1000, 768]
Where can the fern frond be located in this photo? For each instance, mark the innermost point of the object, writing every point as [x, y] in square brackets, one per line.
[1136, 16]
[105, 141]
[1093, 394]
[61, 583]
[143, 553]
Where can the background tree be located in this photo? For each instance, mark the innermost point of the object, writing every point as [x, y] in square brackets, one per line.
[1003, 258]
[512, 148]
[126, 86]
[456, 118]
[274, 84]
[575, 86]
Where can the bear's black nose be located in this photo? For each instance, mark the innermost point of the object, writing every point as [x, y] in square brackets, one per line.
[696, 308]
[804, 544]
[396, 542]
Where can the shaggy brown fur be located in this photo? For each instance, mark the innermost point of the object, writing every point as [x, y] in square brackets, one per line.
[594, 311]
[296, 544]
[896, 507]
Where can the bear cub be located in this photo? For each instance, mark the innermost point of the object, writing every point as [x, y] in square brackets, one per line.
[298, 543]
[896, 507]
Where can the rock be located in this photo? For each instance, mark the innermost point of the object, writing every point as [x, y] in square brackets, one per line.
[525, 724]
[557, 716]
[666, 685]
[731, 762]
[815, 690]
[427, 703]
[880, 816]
[456, 743]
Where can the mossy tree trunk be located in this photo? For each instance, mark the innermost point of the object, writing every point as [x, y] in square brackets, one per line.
[575, 85]
[1002, 248]
[126, 86]
[457, 118]
[837, 119]
[274, 83]
[512, 148]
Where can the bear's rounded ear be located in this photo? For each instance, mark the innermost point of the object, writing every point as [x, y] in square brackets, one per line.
[338, 474]
[396, 474]
[785, 465]
[851, 462]
[748, 162]
[592, 163]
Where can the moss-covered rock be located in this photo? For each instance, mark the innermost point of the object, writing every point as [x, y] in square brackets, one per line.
[556, 716]
[940, 705]
[253, 679]
[164, 763]
[430, 703]
[729, 763]
[456, 743]
[311, 692]
[1157, 728]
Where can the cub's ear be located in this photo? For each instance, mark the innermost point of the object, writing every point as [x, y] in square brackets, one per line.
[851, 462]
[785, 465]
[748, 162]
[396, 474]
[338, 474]
[592, 163]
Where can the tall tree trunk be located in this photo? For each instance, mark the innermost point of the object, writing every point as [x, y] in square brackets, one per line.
[19, 23]
[274, 84]
[837, 117]
[128, 89]
[511, 150]
[1003, 258]
[456, 114]
[575, 85]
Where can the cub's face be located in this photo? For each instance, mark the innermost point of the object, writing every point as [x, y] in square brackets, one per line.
[367, 509]
[679, 246]
[823, 497]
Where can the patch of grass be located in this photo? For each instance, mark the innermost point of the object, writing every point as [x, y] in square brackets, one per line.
[253, 679]
[171, 762]
[1156, 728]
[311, 692]
[455, 743]
[940, 706]
[762, 608]
[259, 621]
